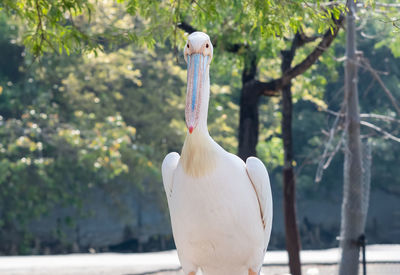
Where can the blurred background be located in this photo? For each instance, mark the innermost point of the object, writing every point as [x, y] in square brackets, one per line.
[87, 116]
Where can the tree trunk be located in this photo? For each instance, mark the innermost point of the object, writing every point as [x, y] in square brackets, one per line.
[352, 207]
[249, 118]
[366, 179]
[289, 180]
[289, 186]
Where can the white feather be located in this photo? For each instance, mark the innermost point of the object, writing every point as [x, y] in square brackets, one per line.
[259, 177]
[167, 169]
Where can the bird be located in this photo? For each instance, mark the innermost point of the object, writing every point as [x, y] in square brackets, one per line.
[220, 207]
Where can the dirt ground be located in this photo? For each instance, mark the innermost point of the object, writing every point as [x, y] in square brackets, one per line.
[381, 260]
[372, 269]
[331, 269]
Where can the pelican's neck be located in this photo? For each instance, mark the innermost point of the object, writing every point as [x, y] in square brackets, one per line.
[199, 153]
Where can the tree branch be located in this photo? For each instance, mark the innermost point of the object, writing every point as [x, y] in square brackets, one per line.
[276, 85]
[266, 88]
[326, 41]
[327, 157]
[382, 117]
[378, 78]
[304, 39]
[375, 116]
[380, 130]
[186, 27]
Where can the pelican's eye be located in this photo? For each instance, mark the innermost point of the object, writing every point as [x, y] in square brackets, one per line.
[206, 45]
[188, 46]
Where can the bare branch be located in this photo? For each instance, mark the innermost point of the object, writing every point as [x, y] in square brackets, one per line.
[387, 5]
[368, 36]
[324, 162]
[382, 117]
[322, 165]
[377, 116]
[385, 89]
[380, 130]
[333, 112]
[394, 22]
[362, 64]
[366, 91]
[333, 153]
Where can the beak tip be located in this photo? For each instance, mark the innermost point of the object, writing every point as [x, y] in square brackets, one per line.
[190, 129]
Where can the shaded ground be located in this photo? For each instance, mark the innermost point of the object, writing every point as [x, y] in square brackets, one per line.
[372, 269]
[382, 260]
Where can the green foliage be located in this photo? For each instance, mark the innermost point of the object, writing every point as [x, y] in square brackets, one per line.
[49, 24]
[392, 42]
[106, 120]
[62, 25]
[387, 13]
[62, 131]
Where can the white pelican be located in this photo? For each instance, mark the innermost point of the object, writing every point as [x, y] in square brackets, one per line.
[220, 207]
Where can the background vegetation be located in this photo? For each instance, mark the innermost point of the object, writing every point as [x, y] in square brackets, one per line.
[96, 99]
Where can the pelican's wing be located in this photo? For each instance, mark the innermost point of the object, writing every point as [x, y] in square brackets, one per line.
[168, 168]
[259, 177]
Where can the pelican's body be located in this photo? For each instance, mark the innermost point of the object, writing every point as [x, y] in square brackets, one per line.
[220, 207]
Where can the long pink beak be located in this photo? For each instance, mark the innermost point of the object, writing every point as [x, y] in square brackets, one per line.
[197, 66]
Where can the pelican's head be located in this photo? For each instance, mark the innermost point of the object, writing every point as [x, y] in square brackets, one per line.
[198, 54]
